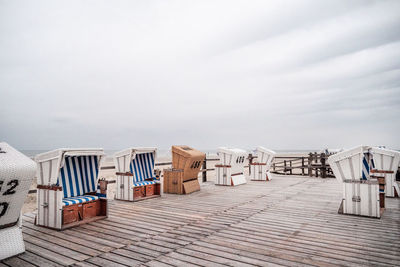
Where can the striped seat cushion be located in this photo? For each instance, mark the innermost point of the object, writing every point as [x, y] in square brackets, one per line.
[75, 200]
[143, 183]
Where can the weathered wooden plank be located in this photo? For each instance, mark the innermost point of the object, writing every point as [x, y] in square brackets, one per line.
[105, 262]
[37, 260]
[121, 259]
[134, 255]
[48, 254]
[85, 264]
[146, 252]
[15, 261]
[156, 263]
[46, 246]
[246, 256]
[194, 259]
[174, 262]
[74, 245]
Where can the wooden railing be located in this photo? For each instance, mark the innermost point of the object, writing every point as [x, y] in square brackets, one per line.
[313, 165]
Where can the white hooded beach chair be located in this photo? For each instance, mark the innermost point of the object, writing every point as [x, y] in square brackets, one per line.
[16, 175]
[354, 168]
[69, 191]
[260, 167]
[136, 179]
[230, 170]
[388, 161]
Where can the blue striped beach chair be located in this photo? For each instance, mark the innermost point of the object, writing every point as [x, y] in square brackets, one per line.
[69, 189]
[136, 179]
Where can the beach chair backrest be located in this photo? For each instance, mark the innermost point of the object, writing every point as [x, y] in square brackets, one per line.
[385, 159]
[187, 159]
[142, 166]
[265, 156]
[79, 175]
[234, 157]
[352, 164]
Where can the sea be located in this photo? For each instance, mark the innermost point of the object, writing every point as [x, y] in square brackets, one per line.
[166, 153]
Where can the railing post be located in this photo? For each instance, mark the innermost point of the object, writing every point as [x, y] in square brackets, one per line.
[284, 166]
[323, 165]
[204, 174]
[290, 165]
[302, 166]
[309, 164]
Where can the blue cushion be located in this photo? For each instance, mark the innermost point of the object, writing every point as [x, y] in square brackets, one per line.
[143, 183]
[75, 200]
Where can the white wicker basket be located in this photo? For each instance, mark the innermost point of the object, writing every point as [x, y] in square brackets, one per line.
[16, 174]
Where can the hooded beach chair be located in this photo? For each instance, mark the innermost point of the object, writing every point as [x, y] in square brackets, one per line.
[260, 167]
[136, 179]
[183, 177]
[363, 183]
[230, 170]
[69, 191]
[16, 175]
[387, 161]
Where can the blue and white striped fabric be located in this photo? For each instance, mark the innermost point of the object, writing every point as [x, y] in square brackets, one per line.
[143, 183]
[142, 167]
[78, 176]
[365, 167]
[76, 200]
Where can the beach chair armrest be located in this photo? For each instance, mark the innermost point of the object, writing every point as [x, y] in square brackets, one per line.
[49, 187]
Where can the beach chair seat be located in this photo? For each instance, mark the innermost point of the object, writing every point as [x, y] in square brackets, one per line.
[135, 184]
[78, 200]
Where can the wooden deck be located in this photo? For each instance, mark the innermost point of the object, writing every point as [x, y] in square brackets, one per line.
[289, 221]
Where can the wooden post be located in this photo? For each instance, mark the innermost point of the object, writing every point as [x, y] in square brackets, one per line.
[310, 156]
[204, 174]
[302, 166]
[290, 165]
[250, 162]
[284, 166]
[323, 165]
[273, 166]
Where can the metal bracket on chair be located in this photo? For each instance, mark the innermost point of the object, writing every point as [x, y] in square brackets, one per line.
[45, 205]
[356, 199]
[121, 186]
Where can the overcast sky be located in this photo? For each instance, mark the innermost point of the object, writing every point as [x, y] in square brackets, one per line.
[281, 74]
